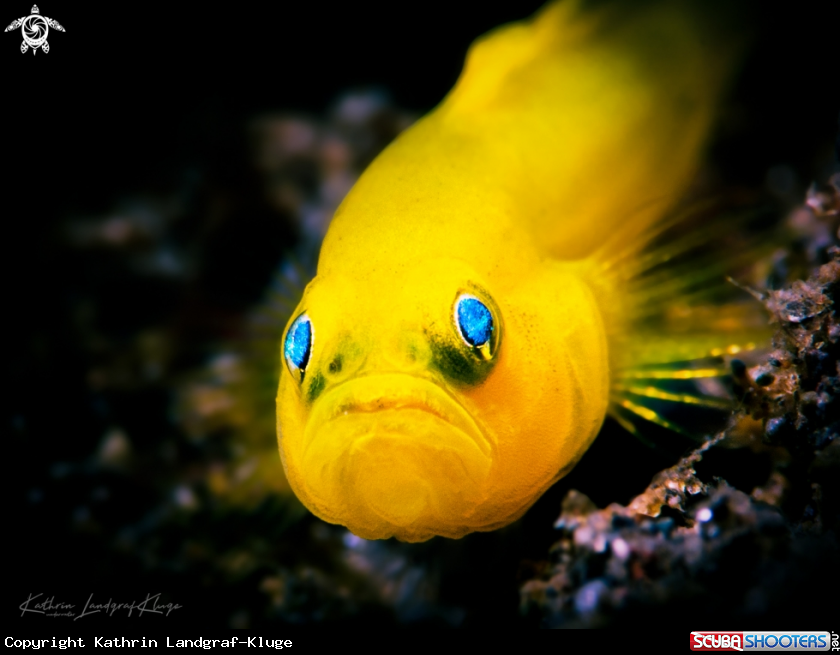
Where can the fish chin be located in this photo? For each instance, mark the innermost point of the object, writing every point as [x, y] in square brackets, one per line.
[410, 464]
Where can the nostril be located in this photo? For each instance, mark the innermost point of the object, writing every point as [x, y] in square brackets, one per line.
[413, 353]
[335, 365]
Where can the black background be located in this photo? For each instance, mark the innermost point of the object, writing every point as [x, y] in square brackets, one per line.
[127, 96]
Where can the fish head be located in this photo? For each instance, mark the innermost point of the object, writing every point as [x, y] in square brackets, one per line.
[418, 400]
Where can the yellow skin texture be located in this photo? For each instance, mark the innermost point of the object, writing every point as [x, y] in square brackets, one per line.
[559, 133]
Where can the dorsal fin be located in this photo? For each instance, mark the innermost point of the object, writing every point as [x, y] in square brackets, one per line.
[611, 107]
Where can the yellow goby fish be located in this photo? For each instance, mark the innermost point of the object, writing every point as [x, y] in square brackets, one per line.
[452, 358]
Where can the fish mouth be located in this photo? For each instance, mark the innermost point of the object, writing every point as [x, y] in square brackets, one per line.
[395, 401]
[391, 453]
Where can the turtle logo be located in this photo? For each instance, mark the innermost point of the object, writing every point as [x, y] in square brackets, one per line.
[35, 28]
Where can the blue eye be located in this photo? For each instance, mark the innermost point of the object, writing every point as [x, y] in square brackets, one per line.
[474, 321]
[298, 344]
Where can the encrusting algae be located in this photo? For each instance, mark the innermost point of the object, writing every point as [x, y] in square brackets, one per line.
[483, 289]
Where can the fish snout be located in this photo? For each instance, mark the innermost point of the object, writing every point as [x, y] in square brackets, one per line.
[393, 454]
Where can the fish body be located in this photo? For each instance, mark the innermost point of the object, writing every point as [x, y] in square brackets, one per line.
[453, 356]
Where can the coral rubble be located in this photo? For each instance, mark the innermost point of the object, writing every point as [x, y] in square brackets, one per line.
[693, 546]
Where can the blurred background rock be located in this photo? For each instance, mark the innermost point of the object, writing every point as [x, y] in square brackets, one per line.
[162, 170]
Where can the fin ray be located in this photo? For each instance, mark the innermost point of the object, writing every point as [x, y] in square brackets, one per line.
[648, 414]
[686, 398]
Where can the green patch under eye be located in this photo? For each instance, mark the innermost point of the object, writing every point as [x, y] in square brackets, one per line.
[316, 386]
[457, 363]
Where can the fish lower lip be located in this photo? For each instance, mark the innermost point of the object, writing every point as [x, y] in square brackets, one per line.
[390, 393]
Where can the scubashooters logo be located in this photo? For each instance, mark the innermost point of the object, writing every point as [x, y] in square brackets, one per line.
[34, 28]
[766, 641]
